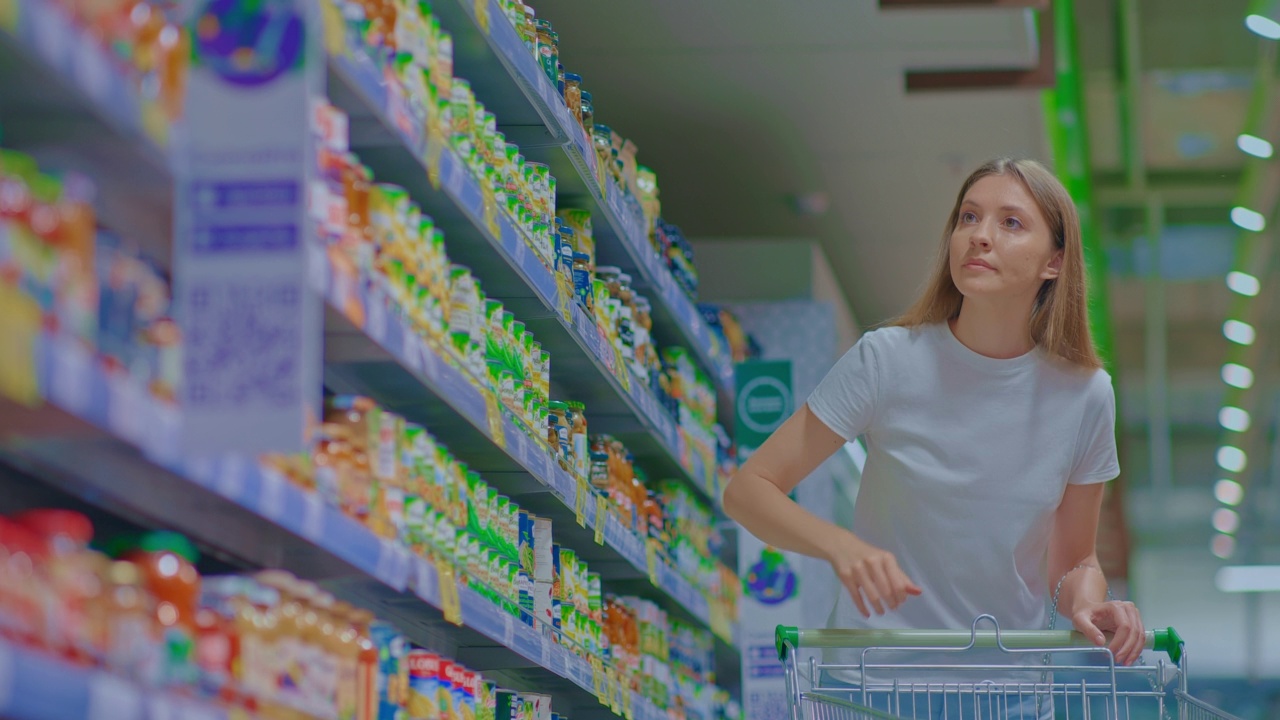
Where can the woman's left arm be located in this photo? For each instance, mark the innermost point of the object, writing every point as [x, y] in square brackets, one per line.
[1073, 562]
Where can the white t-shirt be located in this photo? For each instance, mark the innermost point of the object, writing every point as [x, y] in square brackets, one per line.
[967, 460]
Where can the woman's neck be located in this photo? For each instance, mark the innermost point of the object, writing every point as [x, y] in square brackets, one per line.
[994, 330]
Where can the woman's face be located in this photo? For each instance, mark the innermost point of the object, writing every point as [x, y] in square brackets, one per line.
[1001, 246]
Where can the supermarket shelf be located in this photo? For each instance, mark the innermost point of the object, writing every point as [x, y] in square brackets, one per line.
[384, 359]
[38, 686]
[505, 77]
[583, 361]
[222, 504]
[68, 101]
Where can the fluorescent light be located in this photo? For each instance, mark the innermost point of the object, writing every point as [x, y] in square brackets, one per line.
[1264, 26]
[1237, 376]
[1232, 459]
[1255, 146]
[857, 453]
[1223, 546]
[1226, 521]
[1249, 578]
[1248, 219]
[1233, 418]
[1228, 492]
[1238, 332]
[1243, 283]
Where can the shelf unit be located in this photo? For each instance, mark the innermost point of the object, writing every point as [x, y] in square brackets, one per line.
[48, 66]
[505, 77]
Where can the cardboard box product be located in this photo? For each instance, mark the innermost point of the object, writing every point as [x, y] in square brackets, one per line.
[543, 564]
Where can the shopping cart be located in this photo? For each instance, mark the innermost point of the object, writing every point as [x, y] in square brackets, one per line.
[1055, 674]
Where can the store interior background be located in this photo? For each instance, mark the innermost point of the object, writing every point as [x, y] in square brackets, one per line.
[792, 154]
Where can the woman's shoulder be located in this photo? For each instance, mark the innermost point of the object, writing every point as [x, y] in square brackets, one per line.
[892, 337]
[1094, 383]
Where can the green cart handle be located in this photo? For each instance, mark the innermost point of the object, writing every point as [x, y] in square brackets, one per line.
[1167, 640]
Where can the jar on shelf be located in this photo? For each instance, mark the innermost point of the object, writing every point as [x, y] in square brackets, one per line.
[548, 49]
[582, 280]
[573, 95]
[588, 112]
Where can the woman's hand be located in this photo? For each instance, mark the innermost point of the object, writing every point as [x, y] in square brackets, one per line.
[871, 575]
[1120, 618]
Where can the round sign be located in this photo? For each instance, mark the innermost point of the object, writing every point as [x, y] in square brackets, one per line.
[764, 403]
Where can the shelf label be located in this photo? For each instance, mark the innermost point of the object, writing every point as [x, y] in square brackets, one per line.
[231, 477]
[490, 205]
[19, 328]
[580, 502]
[450, 602]
[312, 517]
[615, 703]
[508, 630]
[482, 15]
[493, 412]
[597, 679]
[651, 560]
[393, 564]
[113, 698]
[602, 516]
[435, 153]
[564, 297]
[7, 678]
[70, 385]
[427, 586]
[627, 699]
[271, 501]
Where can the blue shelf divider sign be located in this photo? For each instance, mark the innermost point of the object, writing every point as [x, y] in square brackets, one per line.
[241, 157]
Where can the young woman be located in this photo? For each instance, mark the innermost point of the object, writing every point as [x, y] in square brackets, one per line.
[989, 424]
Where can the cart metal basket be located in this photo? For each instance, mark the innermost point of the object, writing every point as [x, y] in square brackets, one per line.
[1070, 679]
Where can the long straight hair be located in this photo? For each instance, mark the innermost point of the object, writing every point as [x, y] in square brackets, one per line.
[1060, 316]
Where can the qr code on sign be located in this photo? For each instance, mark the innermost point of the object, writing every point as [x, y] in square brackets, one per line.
[242, 343]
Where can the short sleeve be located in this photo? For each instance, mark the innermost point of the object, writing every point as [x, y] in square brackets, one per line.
[1097, 458]
[845, 400]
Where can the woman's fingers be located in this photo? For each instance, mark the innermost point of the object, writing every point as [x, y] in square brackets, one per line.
[855, 592]
[1140, 634]
[884, 584]
[866, 580]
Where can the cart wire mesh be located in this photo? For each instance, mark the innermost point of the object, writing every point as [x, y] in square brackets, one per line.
[1037, 675]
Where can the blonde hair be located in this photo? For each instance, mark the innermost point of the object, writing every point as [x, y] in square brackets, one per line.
[1060, 317]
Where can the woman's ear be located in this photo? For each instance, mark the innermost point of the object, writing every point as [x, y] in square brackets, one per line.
[1054, 268]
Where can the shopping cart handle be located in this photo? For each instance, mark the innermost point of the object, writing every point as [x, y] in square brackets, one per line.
[1167, 640]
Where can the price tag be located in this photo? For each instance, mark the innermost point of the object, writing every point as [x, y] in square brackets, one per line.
[546, 652]
[19, 328]
[597, 680]
[271, 502]
[376, 324]
[508, 630]
[7, 678]
[231, 477]
[430, 362]
[521, 252]
[565, 297]
[113, 698]
[312, 517]
[621, 370]
[580, 502]
[615, 702]
[482, 15]
[70, 386]
[602, 516]
[426, 586]
[393, 564]
[449, 601]
[435, 155]
[493, 412]
[651, 559]
[491, 210]
[628, 698]
[162, 707]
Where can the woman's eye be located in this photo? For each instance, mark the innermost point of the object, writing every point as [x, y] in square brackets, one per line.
[1013, 223]
[969, 218]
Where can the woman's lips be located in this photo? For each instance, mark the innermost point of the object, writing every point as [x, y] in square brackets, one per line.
[978, 265]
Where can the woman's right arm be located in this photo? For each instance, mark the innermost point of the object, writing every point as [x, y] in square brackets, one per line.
[757, 497]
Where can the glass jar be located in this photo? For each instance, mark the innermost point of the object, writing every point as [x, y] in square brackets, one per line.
[547, 48]
[588, 112]
[582, 280]
[573, 95]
